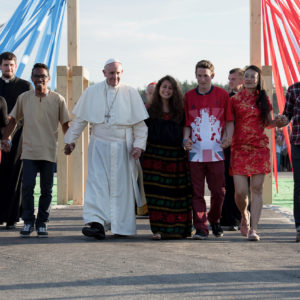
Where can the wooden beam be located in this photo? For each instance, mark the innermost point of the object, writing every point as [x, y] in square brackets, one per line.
[79, 83]
[255, 32]
[73, 33]
[87, 132]
[62, 159]
[268, 85]
[73, 60]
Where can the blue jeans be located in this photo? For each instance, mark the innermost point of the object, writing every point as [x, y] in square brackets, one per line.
[278, 155]
[30, 170]
[296, 167]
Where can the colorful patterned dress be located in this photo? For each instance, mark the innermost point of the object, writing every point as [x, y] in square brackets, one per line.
[249, 150]
[167, 180]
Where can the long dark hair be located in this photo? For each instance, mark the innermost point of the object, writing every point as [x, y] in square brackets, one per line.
[262, 99]
[176, 108]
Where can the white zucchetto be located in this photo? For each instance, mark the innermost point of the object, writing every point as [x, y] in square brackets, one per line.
[111, 60]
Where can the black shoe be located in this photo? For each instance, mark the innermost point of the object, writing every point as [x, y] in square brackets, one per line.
[200, 235]
[95, 230]
[42, 231]
[217, 230]
[26, 231]
[10, 226]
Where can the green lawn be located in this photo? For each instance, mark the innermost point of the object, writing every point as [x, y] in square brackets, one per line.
[284, 197]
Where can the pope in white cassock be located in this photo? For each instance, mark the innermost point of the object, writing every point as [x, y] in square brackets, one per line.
[116, 113]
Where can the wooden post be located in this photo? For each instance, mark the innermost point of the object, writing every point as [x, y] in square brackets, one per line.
[268, 85]
[255, 59]
[87, 131]
[255, 32]
[71, 82]
[73, 33]
[73, 60]
[62, 159]
[80, 153]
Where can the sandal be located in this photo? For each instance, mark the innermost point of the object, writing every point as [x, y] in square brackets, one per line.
[156, 236]
[253, 236]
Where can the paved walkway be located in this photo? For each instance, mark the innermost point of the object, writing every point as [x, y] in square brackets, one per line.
[70, 266]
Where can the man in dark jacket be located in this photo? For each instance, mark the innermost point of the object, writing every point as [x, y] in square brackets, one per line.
[11, 166]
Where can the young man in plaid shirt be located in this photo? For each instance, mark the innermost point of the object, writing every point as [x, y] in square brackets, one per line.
[292, 112]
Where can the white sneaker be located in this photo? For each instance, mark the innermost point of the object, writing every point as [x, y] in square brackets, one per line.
[26, 231]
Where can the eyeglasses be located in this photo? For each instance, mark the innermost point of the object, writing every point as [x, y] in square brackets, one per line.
[40, 76]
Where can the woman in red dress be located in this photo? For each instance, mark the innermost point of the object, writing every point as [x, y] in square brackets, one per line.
[250, 155]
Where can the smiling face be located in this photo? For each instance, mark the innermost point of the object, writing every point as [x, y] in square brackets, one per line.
[8, 68]
[204, 77]
[113, 73]
[166, 90]
[251, 79]
[40, 79]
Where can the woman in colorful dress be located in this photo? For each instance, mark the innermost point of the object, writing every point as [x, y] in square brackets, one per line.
[166, 175]
[250, 155]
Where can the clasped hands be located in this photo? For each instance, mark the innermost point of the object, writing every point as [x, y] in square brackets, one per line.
[136, 152]
[226, 142]
[188, 143]
[69, 148]
[6, 145]
[281, 120]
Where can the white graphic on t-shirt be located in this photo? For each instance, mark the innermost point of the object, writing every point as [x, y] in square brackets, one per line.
[206, 137]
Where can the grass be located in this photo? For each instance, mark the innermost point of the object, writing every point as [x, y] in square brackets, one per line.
[284, 197]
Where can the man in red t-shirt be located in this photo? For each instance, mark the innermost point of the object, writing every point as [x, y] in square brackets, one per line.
[208, 129]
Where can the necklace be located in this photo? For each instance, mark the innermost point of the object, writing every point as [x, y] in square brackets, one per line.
[109, 107]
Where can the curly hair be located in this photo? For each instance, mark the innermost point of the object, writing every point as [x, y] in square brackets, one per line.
[262, 99]
[176, 107]
[40, 66]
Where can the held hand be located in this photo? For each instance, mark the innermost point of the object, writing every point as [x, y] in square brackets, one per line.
[187, 144]
[136, 153]
[69, 148]
[6, 145]
[281, 120]
[226, 142]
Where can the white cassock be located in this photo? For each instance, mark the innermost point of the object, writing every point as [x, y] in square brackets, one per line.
[117, 117]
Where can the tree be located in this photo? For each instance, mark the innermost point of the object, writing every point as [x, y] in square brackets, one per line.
[185, 87]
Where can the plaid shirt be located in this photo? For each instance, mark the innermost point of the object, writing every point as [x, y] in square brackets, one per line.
[292, 111]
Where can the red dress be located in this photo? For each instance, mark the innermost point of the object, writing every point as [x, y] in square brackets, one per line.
[250, 153]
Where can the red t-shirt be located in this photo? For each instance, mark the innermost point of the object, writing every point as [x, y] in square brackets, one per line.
[207, 115]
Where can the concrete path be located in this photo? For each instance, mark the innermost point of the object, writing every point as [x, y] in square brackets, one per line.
[70, 266]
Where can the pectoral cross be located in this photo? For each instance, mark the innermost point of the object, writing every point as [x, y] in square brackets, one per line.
[107, 117]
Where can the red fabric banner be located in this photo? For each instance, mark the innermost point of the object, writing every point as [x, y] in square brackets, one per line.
[286, 12]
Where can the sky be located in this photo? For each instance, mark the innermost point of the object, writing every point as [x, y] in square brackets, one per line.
[157, 37]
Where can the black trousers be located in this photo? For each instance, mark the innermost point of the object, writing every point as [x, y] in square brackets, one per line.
[231, 215]
[30, 170]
